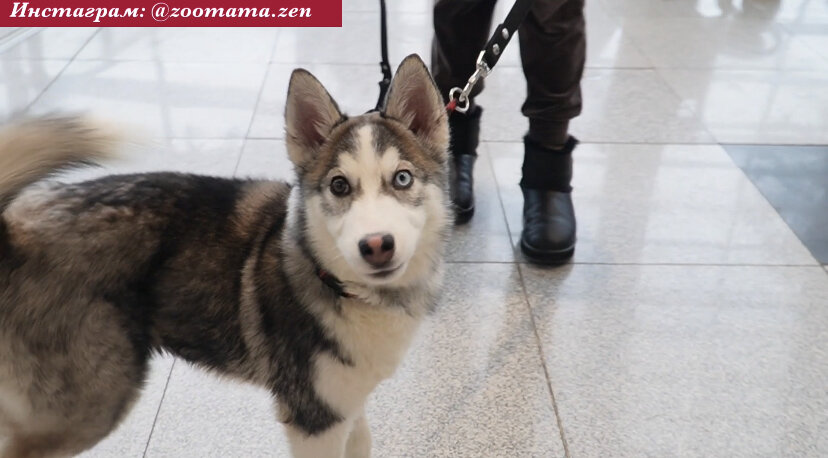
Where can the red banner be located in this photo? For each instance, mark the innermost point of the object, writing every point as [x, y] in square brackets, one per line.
[172, 13]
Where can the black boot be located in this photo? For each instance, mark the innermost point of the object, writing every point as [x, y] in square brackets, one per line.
[548, 215]
[465, 133]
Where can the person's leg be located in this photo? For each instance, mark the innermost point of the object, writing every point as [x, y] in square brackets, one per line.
[553, 50]
[461, 29]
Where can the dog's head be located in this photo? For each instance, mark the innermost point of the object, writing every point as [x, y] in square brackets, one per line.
[373, 187]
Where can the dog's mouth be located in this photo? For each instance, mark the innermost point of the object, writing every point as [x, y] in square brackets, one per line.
[385, 273]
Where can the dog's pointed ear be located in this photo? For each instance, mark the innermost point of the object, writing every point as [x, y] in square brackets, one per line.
[310, 114]
[414, 99]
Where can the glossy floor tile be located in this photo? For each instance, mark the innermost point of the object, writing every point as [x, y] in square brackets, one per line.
[812, 36]
[168, 44]
[625, 9]
[722, 42]
[497, 397]
[408, 6]
[354, 87]
[790, 12]
[264, 159]
[214, 157]
[205, 416]
[794, 179]
[22, 82]
[787, 11]
[472, 384]
[764, 107]
[167, 99]
[676, 204]
[608, 42]
[486, 237]
[691, 361]
[407, 33]
[50, 43]
[620, 105]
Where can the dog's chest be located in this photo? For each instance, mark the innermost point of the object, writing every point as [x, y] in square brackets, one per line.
[376, 339]
[375, 342]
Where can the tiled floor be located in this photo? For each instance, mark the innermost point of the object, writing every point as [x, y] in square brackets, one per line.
[692, 321]
[794, 179]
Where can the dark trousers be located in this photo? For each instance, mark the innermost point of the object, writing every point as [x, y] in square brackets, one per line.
[552, 51]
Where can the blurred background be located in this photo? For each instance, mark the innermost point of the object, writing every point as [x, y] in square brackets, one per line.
[693, 320]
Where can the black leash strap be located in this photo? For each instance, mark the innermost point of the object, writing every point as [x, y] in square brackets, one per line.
[459, 98]
[504, 32]
[384, 65]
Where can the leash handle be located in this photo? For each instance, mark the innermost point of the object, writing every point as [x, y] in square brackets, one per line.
[488, 57]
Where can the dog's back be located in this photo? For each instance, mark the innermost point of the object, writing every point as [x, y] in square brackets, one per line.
[96, 276]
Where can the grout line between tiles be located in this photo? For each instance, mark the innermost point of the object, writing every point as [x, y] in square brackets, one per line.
[543, 363]
[158, 410]
[255, 108]
[325, 64]
[62, 70]
[499, 196]
[531, 315]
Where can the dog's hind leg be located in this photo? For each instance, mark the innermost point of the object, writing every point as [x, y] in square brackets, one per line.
[61, 397]
[36, 446]
[66, 441]
[61, 442]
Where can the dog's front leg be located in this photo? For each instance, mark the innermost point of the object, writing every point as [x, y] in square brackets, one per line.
[329, 443]
[359, 441]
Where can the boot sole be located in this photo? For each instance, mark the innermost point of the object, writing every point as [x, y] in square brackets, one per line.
[546, 257]
[463, 215]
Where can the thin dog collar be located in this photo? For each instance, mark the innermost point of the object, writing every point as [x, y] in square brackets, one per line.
[326, 277]
[332, 282]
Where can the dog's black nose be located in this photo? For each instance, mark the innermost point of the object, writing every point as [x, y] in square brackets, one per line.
[377, 249]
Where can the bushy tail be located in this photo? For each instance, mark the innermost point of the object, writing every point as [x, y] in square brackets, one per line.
[33, 149]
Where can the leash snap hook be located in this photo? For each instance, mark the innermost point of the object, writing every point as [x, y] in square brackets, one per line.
[461, 96]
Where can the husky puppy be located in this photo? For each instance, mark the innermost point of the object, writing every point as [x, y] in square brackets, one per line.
[312, 291]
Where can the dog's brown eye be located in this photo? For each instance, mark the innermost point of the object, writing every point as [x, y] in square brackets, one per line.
[403, 179]
[340, 186]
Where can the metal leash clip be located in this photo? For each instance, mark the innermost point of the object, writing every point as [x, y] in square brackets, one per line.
[462, 95]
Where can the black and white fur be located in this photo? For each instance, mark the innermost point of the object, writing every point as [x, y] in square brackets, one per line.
[226, 274]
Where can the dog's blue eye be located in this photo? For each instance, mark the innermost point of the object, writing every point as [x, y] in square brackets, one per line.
[340, 186]
[403, 179]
